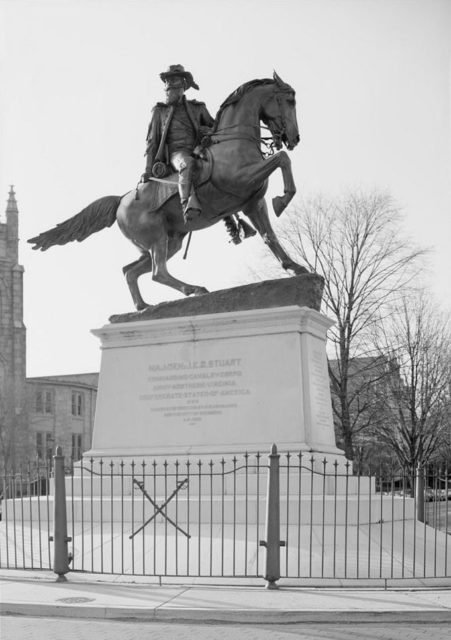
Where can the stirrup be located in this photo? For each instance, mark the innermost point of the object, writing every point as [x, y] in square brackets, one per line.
[193, 203]
[191, 209]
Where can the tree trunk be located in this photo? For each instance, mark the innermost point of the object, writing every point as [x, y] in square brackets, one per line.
[348, 446]
[346, 427]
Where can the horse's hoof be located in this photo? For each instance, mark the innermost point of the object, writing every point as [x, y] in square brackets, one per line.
[200, 291]
[300, 271]
[297, 269]
[195, 291]
[144, 306]
[278, 204]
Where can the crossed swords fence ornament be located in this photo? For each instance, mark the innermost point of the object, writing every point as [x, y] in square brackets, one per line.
[159, 508]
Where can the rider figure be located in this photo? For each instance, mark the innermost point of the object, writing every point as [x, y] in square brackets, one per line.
[176, 128]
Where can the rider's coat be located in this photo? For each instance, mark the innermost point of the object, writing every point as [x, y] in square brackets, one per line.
[180, 125]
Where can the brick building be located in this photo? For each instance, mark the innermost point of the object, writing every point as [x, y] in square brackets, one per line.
[61, 412]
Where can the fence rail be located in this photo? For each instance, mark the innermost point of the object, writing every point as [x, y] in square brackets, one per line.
[283, 515]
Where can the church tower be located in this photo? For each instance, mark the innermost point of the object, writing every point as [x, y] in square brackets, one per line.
[13, 442]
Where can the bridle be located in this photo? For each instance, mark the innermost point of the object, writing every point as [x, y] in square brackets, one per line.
[272, 142]
[280, 132]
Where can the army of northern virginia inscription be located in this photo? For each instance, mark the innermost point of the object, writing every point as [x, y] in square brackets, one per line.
[194, 389]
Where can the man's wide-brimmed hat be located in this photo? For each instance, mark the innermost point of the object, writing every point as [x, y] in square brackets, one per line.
[179, 70]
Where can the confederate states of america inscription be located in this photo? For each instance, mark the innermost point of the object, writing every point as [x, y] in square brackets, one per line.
[195, 390]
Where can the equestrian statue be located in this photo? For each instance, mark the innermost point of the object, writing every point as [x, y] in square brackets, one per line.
[198, 171]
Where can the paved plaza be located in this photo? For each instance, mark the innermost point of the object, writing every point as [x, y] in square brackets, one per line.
[92, 597]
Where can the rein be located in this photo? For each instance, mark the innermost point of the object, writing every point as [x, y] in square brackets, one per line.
[268, 141]
[271, 142]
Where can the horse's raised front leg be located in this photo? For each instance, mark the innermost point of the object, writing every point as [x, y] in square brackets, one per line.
[161, 250]
[259, 172]
[257, 211]
[132, 272]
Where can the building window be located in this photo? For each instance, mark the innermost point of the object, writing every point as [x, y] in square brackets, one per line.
[48, 402]
[77, 443]
[77, 403]
[44, 401]
[39, 405]
[44, 445]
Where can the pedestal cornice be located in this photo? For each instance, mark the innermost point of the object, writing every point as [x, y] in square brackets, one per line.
[219, 325]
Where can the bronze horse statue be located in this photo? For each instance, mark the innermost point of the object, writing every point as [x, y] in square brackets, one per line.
[232, 177]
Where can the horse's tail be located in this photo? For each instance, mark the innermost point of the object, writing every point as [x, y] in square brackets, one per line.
[97, 216]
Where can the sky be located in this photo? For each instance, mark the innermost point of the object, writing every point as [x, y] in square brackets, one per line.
[79, 79]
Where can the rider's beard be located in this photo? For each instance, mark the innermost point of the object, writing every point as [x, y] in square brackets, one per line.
[173, 95]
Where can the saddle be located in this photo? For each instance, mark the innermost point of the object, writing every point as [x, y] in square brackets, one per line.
[157, 191]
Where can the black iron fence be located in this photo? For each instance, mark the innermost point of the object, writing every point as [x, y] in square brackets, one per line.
[288, 515]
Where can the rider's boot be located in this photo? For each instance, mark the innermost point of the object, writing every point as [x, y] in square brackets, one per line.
[193, 205]
[190, 203]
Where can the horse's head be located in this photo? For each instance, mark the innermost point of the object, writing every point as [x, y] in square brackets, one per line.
[279, 114]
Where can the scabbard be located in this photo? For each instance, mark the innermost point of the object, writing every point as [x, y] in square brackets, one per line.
[160, 152]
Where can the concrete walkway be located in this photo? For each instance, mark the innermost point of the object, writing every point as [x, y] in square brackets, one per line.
[36, 593]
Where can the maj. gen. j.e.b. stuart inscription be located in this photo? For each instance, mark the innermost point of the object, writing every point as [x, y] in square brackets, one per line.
[193, 391]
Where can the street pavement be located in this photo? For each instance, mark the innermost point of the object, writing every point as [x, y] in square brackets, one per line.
[87, 596]
[32, 628]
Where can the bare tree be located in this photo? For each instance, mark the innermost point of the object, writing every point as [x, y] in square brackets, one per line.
[357, 245]
[415, 400]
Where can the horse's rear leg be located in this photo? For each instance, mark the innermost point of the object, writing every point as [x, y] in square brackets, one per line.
[132, 272]
[162, 249]
[257, 211]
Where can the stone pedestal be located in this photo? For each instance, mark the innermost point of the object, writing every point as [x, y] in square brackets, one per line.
[216, 384]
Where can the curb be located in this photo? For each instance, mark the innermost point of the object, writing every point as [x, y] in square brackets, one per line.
[243, 616]
[78, 577]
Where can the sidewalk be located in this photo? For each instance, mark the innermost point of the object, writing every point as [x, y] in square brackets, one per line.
[112, 597]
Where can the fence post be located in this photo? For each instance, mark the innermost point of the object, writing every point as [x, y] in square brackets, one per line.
[273, 542]
[419, 493]
[60, 539]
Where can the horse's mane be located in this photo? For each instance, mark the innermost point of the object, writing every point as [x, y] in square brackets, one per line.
[244, 88]
[236, 96]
